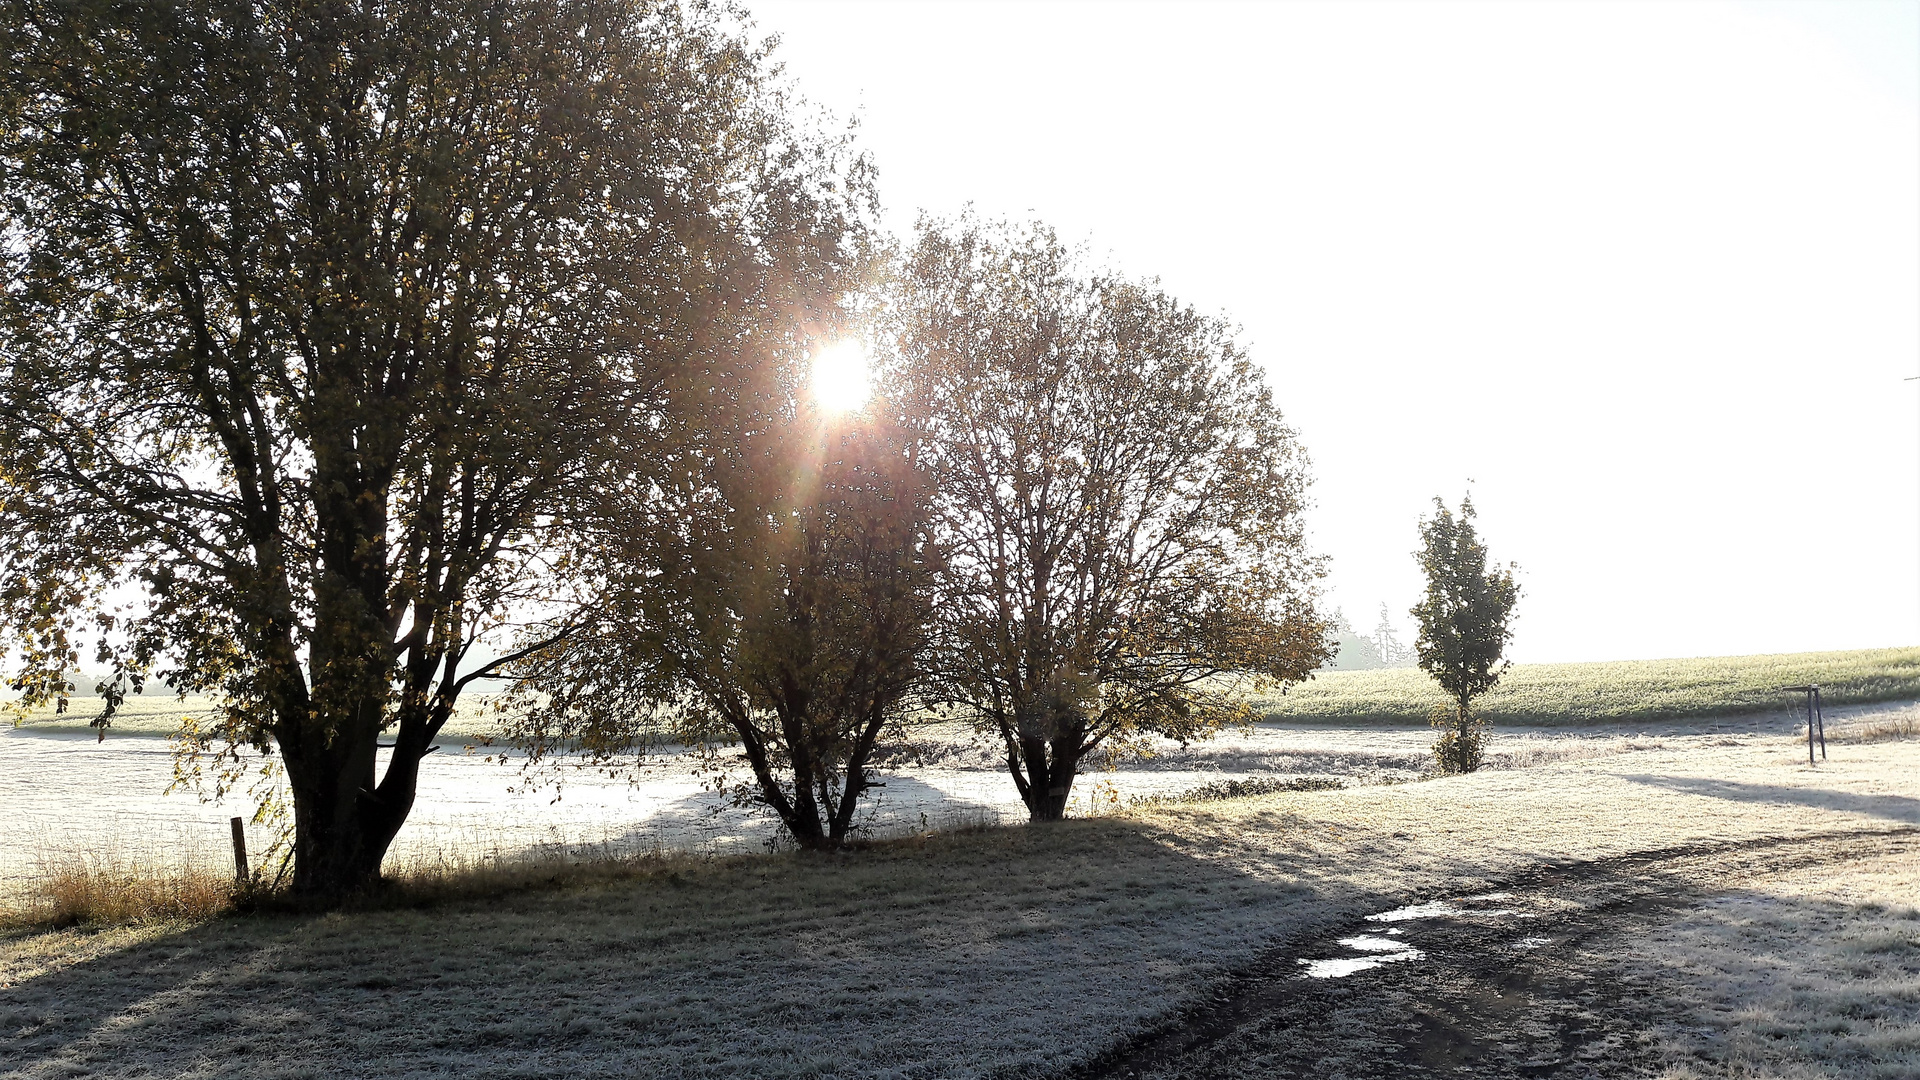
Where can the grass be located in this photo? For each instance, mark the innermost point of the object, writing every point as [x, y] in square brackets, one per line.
[996, 952]
[1634, 691]
[1880, 728]
[1804, 975]
[103, 890]
[160, 715]
[1629, 691]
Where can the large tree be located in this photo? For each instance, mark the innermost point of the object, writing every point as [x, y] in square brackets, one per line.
[779, 601]
[1120, 504]
[319, 319]
[1465, 623]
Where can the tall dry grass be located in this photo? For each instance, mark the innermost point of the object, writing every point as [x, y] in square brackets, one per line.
[110, 889]
[1877, 729]
[157, 883]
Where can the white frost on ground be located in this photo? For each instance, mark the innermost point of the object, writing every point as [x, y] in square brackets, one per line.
[65, 793]
[1806, 975]
[1008, 952]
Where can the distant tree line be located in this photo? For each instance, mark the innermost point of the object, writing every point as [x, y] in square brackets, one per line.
[1353, 651]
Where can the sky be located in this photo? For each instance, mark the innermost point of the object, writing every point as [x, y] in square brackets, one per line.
[1642, 277]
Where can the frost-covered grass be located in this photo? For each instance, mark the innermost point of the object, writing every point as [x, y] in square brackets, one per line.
[996, 952]
[1807, 975]
[1622, 691]
[1647, 691]
[161, 714]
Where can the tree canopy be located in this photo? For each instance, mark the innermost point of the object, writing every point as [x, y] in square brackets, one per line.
[318, 321]
[779, 599]
[1119, 503]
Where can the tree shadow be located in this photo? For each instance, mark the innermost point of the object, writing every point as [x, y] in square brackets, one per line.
[710, 821]
[923, 956]
[1902, 808]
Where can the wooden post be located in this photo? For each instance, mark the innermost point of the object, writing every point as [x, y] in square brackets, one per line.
[240, 874]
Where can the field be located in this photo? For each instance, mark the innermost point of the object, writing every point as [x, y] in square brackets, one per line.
[1667, 905]
[160, 715]
[1633, 691]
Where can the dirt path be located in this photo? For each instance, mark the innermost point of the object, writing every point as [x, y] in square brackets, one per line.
[1524, 980]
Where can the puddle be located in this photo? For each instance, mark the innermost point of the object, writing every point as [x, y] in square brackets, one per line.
[1388, 945]
[1433, 909]
[1371, 943]
[1441, 909]
[1347, 965]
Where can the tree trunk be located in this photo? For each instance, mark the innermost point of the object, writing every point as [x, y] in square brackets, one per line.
[342, 824]
[343, 821]
[1051, 767]
[803, 822]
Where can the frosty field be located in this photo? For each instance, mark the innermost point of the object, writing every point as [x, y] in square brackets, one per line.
[1623, 691]
[68, 795]
[1163, 940]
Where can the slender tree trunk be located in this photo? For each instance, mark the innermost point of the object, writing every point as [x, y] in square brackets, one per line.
[1466, 744]
[856, 779]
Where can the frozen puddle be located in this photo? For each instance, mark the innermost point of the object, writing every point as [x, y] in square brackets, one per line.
[1375, 949]
[1444, 909]
[1341, 967]
[1389, 947]
[1433, 909]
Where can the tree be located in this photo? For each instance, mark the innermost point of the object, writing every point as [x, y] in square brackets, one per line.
[1119, 504]
[320, 319]
[781, 603]
[1464, 628]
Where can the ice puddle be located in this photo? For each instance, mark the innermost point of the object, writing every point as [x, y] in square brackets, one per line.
[1390, 946]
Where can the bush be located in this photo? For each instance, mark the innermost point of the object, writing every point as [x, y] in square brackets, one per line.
[1461, 747]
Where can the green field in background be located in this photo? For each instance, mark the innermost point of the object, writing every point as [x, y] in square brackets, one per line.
[1626, 690]
[160, 715]
[1543, 694]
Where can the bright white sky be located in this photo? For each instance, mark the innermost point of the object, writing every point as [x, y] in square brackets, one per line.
[1647, 274]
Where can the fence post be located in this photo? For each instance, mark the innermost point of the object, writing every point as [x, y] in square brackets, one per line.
[240, 874]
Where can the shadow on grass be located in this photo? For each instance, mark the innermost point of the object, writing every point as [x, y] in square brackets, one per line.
[937, 956]
[1902, 808]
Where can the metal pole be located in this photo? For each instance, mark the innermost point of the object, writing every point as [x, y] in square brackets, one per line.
[1821, 718]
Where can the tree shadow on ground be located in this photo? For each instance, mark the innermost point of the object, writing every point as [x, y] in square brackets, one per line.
[710, 821]
[1004, 950]
[1902, 808]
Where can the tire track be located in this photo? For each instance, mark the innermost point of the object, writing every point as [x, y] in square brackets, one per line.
[1515, 983]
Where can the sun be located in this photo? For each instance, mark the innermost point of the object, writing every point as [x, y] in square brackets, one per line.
[842, 376]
